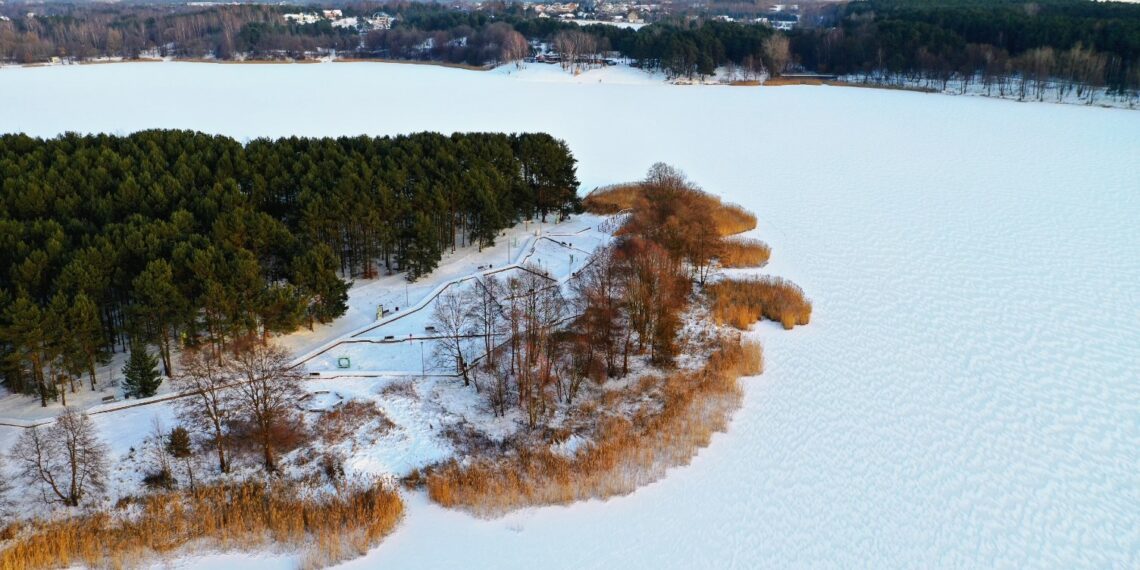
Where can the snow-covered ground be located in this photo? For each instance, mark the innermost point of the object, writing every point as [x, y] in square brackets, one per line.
[967, 394]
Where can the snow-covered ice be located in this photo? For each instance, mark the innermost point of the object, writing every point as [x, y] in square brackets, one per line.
[967, 394]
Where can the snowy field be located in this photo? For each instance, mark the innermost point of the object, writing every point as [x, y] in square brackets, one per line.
[967, 394]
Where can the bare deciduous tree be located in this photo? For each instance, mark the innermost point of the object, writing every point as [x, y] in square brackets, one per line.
[454, 322]
[5, 488]
[777, 53]
[576, 49]
[209, 406]
[66, 460]
[487, 313]
[267, 389]
[159, 473]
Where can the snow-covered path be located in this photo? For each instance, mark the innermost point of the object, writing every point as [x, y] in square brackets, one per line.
[967, 394]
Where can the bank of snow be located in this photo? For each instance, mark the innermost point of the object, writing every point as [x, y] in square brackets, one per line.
[966, 395]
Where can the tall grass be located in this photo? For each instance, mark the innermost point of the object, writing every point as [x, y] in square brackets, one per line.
[609, 200]
[625, 453]
[245, 515]
[744, 253]
[742, 302]
[729, 219]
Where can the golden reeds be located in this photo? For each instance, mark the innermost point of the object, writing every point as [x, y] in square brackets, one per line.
[742, 302]
[624, 454]
[225, 516]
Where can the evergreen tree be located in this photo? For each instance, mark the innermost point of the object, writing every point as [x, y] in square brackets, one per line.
[180, 447]
[140, 373]
[325, 295]
[282, 309]
[24, 334]
[87, 345]
[160, 305]
[423, 251]
[57, 345]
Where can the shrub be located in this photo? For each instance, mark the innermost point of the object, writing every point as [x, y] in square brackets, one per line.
[742, 302]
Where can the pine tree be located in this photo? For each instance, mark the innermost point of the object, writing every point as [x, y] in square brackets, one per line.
[160, 304]
[325, 294]
[87, 346]
[24, 333]
[423, 251]
[179, 446]
[57, 345]
[140, 374]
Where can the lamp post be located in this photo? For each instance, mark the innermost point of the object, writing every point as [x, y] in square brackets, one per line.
[423, 367]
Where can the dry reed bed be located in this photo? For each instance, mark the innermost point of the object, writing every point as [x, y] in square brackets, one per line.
[624, 455]
[729, 219]
[744, 253]
[241, 516]
[742, 302]
[609, 200]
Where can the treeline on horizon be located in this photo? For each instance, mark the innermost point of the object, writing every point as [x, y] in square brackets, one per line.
[1080, 41]
[1076, 41]
[168, 238]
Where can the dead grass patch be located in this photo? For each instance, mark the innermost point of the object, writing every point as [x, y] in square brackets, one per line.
[240, 516]
[625, 454]
[333, 427]
[401, 388]
[742, 302]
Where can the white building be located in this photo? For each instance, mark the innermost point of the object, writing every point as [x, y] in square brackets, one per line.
[303, 18]
[381, 21]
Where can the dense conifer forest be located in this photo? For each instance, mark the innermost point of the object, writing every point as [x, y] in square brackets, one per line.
[177, 237]
[1077, 41]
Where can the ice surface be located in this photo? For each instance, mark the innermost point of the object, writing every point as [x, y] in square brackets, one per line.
[967, 394]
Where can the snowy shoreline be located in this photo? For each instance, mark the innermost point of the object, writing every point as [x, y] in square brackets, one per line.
[964, 397]
[625, 74]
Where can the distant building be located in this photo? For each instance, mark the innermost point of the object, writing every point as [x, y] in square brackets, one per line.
[303, 18]
[381, 21]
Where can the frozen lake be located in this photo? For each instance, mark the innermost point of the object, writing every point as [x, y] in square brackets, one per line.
[968, 392]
